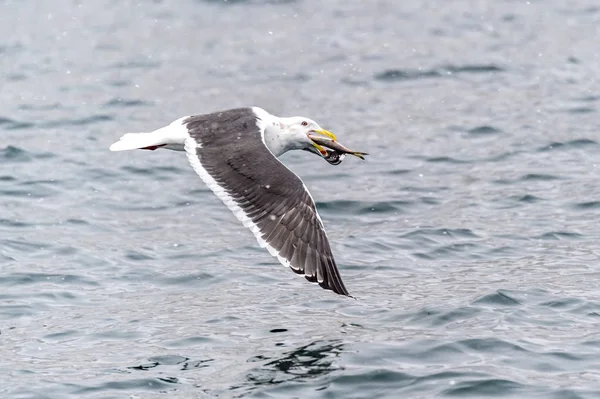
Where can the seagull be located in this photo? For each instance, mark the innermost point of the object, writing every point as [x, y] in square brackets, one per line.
[235, 153]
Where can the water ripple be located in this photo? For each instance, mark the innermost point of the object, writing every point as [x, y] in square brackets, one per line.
[362, 208]
[487, 387]
[588, 205]
[442, 232]
[136, 64]
[14, 154]
[11, 49]
[446, 159]
[528, 199]
[581, 110]
[11, 124]
[499, 298]
[157, 171]
[158, 384]
[558, 235]
[99, 118]
[124, 103]
[484, 131]
[530, 177]
[12, 279]
[444, 71]
[579, 143]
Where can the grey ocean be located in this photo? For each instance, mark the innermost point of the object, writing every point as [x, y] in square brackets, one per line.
[470, 236]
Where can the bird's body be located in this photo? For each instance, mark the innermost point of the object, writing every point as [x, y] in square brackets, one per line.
[235, 153]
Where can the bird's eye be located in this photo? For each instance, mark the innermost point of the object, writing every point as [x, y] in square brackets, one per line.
[304, 123]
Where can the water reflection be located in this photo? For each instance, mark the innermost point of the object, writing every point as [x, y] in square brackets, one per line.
[305, 362]
[184, 363]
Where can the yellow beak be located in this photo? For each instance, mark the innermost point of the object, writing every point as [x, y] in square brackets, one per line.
[324, 133]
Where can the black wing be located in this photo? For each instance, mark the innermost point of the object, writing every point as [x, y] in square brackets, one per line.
[227, 151]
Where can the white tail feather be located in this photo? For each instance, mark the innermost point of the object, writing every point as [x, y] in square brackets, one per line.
[171, 137]
[133, 141]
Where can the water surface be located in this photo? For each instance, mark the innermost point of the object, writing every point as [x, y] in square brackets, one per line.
[469, 237]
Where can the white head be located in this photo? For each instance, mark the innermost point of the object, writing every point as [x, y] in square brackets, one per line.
[286, 134]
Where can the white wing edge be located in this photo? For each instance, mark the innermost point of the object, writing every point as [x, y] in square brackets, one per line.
[190, 147]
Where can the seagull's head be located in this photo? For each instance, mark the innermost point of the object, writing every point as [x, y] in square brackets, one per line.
[301, 129]
[300, 133]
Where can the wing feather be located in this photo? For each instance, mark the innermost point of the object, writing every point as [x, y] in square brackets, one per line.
[262, 192]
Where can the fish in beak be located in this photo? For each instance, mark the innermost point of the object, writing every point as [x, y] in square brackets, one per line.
[330, 148]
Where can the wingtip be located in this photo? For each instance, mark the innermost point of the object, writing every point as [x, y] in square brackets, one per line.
[333, 281]
[342, 291]
[335, 284]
